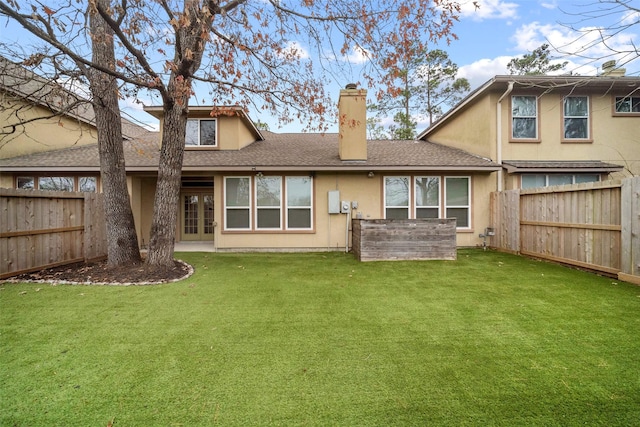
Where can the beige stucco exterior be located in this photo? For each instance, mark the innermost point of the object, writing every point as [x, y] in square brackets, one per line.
[329, 230]
[475, 126]
[29, 128]
[353, 124]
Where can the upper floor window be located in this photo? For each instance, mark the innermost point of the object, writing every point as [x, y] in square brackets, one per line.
[627, 104]
[524, 117]
[428, 198]
[576, 117]
[201, 132]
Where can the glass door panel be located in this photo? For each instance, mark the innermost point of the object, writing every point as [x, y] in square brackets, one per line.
[197, 217]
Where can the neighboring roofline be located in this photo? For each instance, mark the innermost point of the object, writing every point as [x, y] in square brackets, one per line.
[531, 81]
[77, 111]
[157, 111]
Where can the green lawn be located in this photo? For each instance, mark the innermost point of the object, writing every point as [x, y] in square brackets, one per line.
[321, 339]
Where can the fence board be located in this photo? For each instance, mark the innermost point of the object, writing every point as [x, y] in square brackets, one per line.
[630, 238]
[41, 229]
[592, 225]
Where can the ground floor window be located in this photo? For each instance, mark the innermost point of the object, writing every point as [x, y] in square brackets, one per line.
[548, 180]
[268, 203]
[408, 197]
[58, 183]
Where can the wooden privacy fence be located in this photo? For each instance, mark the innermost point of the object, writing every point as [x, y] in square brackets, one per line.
[41, 229]
[590, 225]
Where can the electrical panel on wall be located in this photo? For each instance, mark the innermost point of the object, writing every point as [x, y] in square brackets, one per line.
[334, 202]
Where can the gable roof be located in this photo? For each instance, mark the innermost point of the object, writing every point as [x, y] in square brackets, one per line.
[602, 83]
[277, 152]
[25, 84]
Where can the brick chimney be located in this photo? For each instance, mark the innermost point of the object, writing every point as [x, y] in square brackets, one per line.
[352, 111]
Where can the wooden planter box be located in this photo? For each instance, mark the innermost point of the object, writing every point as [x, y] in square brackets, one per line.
[404, 239]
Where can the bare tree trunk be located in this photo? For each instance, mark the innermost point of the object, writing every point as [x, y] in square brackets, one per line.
[122, 240]
[165, 208]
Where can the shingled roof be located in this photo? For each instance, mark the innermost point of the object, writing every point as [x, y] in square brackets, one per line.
[27, 85]
[277, 152]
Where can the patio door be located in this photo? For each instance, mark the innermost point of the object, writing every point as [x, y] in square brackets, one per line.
[197, 216]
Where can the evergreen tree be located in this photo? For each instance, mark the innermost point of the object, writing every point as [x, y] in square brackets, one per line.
[537, 62]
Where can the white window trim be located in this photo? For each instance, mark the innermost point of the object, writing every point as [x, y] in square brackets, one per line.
[587, 118]
[253, 206]
[439, 206]
[227, 208]
[258, 208]
[287, 207]
[537, 135]
[468, 206]
[200, 145]
[442, 197]
[625, 113]
[409, 195]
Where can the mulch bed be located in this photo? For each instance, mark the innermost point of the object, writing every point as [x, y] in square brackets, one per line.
[100, 273]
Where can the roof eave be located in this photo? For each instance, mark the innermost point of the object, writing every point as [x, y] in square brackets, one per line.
[344, 168]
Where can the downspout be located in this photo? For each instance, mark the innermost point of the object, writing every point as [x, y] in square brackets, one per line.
[499, 133]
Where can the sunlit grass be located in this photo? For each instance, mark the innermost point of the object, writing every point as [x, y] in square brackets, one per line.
[321, 339]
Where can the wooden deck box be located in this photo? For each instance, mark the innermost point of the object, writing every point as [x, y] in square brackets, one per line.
[404, 239]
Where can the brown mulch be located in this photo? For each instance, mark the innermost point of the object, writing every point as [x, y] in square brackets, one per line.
[100, 273]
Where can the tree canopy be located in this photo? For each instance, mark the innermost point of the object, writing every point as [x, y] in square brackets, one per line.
[534, 63]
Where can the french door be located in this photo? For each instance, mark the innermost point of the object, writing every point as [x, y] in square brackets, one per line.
[197, 222]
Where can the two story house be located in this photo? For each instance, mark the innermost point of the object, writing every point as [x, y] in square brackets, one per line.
[247, 189]
[549, 130]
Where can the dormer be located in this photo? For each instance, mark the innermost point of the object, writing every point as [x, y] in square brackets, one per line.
[215, 128]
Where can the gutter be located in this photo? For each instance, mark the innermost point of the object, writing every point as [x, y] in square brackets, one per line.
[499, 132]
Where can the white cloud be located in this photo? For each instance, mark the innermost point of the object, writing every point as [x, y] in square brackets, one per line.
[357, 55]
[482, 70]
[489, 9]
[294, 50]
[549, 4]
[583, 47]
[631, 17]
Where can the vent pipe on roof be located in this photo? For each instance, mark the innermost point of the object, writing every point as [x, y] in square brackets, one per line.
[609, 69]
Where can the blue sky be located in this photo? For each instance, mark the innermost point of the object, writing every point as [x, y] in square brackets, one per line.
[500, 30]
